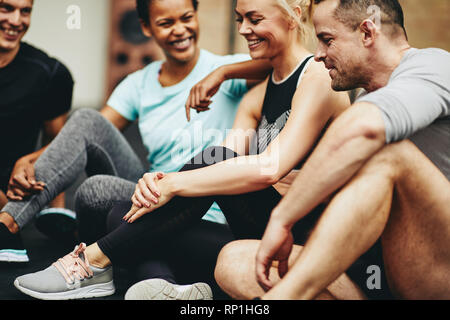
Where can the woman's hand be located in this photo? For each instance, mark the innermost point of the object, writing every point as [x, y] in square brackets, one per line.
[201, 94]
[155, 187]
[147, 191]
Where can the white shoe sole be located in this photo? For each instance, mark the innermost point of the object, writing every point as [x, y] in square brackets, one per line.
[58, 211]
[92, 291]
[56, 223]
[159, 289]
[9, 255]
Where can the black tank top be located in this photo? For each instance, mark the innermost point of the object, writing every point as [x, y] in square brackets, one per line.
[276, 109]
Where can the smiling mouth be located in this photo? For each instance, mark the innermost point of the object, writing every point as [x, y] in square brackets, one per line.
[182, 43]
[329, 67]
[254, 43]
[11, 33]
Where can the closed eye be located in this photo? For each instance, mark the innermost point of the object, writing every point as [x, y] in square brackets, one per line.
[255, 21]
[187, 18]
[26, 11]
[164, 23]
[6, 8]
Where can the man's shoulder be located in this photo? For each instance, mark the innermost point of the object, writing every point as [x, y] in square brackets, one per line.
[428, 57]
[29, 50]
[430, 63]
[430, 51]
[39, 59]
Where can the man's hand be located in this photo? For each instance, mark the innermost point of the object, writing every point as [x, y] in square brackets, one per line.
[152, 192]
[22, 182]
[276, 245]
[201, 94]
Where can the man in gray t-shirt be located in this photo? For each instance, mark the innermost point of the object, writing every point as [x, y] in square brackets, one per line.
[415, 104]
[384, 163]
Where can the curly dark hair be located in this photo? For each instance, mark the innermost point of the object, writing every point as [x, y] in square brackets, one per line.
[143, 9]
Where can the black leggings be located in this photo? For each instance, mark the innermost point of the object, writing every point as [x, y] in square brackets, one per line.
[185, 258]
[247, 215]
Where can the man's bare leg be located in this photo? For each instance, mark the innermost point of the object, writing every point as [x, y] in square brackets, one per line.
[235, 274]
[398, 194]
[416, 240]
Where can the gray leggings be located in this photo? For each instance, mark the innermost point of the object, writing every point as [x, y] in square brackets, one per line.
[87, 143]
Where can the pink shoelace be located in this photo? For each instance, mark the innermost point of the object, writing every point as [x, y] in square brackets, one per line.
[73, 267]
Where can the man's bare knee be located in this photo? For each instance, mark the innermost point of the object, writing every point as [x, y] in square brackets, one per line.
[234, 266]
[233, 254]
[393, 161]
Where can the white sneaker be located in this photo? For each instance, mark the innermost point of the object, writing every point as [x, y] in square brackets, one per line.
[159, 289]
[11, 246]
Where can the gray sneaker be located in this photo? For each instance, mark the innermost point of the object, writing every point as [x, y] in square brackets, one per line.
[159, 289]
[71, 277]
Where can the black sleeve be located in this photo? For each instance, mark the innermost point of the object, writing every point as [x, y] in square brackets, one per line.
[59, 93]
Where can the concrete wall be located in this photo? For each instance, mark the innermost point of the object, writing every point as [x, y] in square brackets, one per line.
[85, 50]
[82, 50]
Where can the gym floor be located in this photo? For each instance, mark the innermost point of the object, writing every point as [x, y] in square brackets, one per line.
[42, 253]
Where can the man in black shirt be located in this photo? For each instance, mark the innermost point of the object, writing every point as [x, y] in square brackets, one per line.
[35, 94]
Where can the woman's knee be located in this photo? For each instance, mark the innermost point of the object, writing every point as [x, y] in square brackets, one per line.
[85, 115]
[88, 194]
[209, 156]
[83, 194]
[85, 120]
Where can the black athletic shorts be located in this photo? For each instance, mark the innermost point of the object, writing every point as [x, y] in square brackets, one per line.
[365, 271]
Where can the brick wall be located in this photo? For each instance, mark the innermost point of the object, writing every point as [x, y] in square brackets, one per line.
[427, 23]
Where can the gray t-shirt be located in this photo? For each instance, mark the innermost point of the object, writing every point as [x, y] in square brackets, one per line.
[415, 104]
